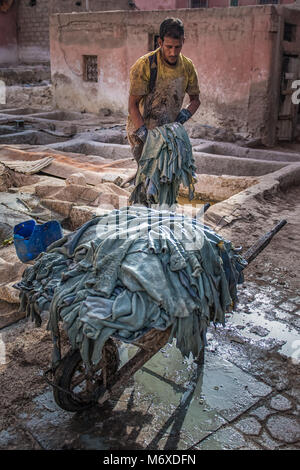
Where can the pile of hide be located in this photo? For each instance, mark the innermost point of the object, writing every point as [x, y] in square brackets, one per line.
[166, 162]
[129, 271]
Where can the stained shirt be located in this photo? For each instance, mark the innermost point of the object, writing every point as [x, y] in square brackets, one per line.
[162, 105]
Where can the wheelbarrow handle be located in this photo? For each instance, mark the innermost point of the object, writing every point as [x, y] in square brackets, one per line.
[261, 244]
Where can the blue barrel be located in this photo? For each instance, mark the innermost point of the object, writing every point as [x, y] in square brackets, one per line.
[31, 239]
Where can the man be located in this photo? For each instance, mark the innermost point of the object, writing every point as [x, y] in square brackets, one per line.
[155, 98]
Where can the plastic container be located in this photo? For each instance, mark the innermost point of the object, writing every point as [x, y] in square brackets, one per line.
[31, 239]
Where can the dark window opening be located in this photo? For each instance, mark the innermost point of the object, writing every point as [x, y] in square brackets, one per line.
[289, 32]
[153, 41]
[283, 80]
[90, 68]
[265, 2]
[234, 3]
[199, 3]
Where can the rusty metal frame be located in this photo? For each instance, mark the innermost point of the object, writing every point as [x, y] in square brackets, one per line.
[150, 344]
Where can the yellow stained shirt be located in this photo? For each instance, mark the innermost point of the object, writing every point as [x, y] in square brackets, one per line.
[163, 104]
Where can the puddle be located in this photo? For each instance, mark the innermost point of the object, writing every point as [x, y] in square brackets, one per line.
[219, 387]
[222, 440]
[253, 314]
[171, 403]
[196, 402]
[277, 331]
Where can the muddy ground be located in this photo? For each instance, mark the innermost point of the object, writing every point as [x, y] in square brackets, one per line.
[281, 258]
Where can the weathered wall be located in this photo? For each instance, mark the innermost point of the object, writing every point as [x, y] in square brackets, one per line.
[59, 6]
[33, 23]
[8, 36]
[232, 49]
[33, 31]
[160, 4]
[172, 4]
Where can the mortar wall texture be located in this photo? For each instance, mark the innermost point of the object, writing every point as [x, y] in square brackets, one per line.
[59, 6]
[233, 49]
[33, 23]
[8, 36]
[174, 4]
[33, 31]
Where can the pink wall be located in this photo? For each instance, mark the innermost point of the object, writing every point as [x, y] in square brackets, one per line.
[232, 49]
[175, 4]
[157, 4]
[8, 36]
[182, 3]
[226, 3]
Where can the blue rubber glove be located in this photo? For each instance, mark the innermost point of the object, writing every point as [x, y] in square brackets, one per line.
[183, 116]
[142, 133]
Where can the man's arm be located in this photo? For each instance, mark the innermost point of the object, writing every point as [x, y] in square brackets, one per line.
[134, 112]
[194, 104]
[136, 117]
[187, 113]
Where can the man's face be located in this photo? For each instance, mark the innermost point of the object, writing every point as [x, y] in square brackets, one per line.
[170, 49]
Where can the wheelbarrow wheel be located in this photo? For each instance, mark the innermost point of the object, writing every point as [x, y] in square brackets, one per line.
[73, 389]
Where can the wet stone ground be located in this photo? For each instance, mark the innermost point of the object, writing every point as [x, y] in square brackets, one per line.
[245, 397]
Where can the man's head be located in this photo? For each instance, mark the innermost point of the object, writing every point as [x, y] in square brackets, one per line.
[171, 39]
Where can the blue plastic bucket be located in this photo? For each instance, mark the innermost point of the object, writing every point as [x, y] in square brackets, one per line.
[31, 239]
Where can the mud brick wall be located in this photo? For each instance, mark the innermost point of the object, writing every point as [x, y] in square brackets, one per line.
[172, 4]
[33, 23]
[65, 6]
[33, 31]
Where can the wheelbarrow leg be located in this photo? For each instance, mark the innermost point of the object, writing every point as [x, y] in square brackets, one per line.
[201, 357]
[151, 344]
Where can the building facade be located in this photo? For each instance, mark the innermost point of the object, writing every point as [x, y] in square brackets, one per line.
[246, 59]
[175, 4]
[24, 25]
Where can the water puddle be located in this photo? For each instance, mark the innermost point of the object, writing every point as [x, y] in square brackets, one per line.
[252, 318]
[171, 403]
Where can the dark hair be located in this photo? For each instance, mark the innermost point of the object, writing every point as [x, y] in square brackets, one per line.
[171, 27]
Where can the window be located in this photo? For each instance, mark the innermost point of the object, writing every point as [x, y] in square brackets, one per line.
[290, 31]
[234, 3]
[199, 3]
[265, 2]
[153, 41]
[90, 68]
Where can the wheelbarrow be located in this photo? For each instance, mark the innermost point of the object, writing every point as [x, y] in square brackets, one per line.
[76, 388]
